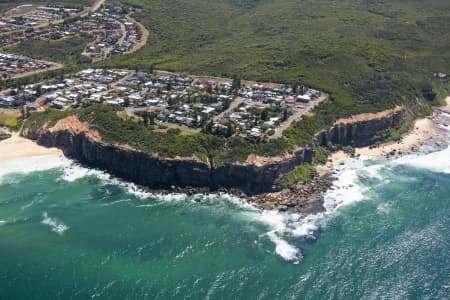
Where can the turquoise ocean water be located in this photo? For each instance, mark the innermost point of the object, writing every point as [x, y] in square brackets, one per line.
[67, 232]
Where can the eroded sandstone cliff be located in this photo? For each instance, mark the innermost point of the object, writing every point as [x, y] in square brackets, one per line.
[254, 176]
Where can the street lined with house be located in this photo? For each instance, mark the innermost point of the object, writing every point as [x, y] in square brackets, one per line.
[214, 105]
[116, 32]
[15, 66]
[219, 106]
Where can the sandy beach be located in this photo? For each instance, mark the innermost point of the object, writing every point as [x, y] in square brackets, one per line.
[18, 147]
[424, 131]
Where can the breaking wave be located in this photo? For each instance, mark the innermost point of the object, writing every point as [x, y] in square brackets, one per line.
[75, 172]
[436, 161]
[349, 188]
[284, 229]
[282, 226]
[32, 164]
[56, 225]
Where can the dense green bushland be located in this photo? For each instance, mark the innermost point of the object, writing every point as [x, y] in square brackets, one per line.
[7, 4]
[67, 50]
[366, 53]
[369, 55]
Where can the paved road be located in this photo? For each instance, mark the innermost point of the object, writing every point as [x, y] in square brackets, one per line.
[132, 112]
[55, 66]
[116, 83]
[41, 99]
[97, 5]
[236, 102]
[299, 111]
[9, 110]
[144, 36]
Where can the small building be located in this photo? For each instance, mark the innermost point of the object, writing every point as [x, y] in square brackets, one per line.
[303, 98]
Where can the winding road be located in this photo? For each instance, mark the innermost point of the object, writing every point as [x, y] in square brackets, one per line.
[298, 113]
[97, 4]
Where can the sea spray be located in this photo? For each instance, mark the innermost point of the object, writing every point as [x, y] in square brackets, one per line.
[56, 225]
[191, 247]
[436, 161]
[346, 190]
[273, 219]
[282, 226]
[284, 229]
[32, 164]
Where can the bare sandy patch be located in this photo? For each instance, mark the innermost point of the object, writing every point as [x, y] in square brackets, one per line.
[18, 147]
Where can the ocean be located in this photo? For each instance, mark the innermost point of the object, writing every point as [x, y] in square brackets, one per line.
[69, 232]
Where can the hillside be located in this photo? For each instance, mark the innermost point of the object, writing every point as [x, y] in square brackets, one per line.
[367, 53]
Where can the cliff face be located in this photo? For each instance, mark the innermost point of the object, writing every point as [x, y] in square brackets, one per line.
[360, 130]
[78, 141]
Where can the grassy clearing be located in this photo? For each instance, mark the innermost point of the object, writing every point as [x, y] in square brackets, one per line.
[320, 155]
[10, 120]
[302, 173]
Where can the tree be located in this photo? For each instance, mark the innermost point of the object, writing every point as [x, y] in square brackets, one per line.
[145, 117]
[285, 115]
[23, 113]
[427, 91]
[236, 84]
[151, 118]
[208, 127]
[39, 90]
[230, 130]
[264, 115]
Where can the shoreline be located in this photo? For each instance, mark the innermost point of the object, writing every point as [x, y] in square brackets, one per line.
[17, 147]
[424, 131]
[304, 198]
[308, 198]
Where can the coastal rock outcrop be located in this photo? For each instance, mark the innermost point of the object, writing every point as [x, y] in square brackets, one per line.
[256, 176]
[360, 130]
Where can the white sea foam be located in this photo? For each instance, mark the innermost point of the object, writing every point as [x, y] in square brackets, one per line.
[56, 225]
[75, 172]
[446, 128]
[307, 226]
[2, 222]
[346, 190]
[384, 208]
[31, 164]
[437, 161]
[284, 249]
[281, 224]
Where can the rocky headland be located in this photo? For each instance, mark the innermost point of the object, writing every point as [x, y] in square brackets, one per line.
[256, 178]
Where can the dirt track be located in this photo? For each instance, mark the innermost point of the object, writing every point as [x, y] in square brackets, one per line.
[56, 66]
[144, 36]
